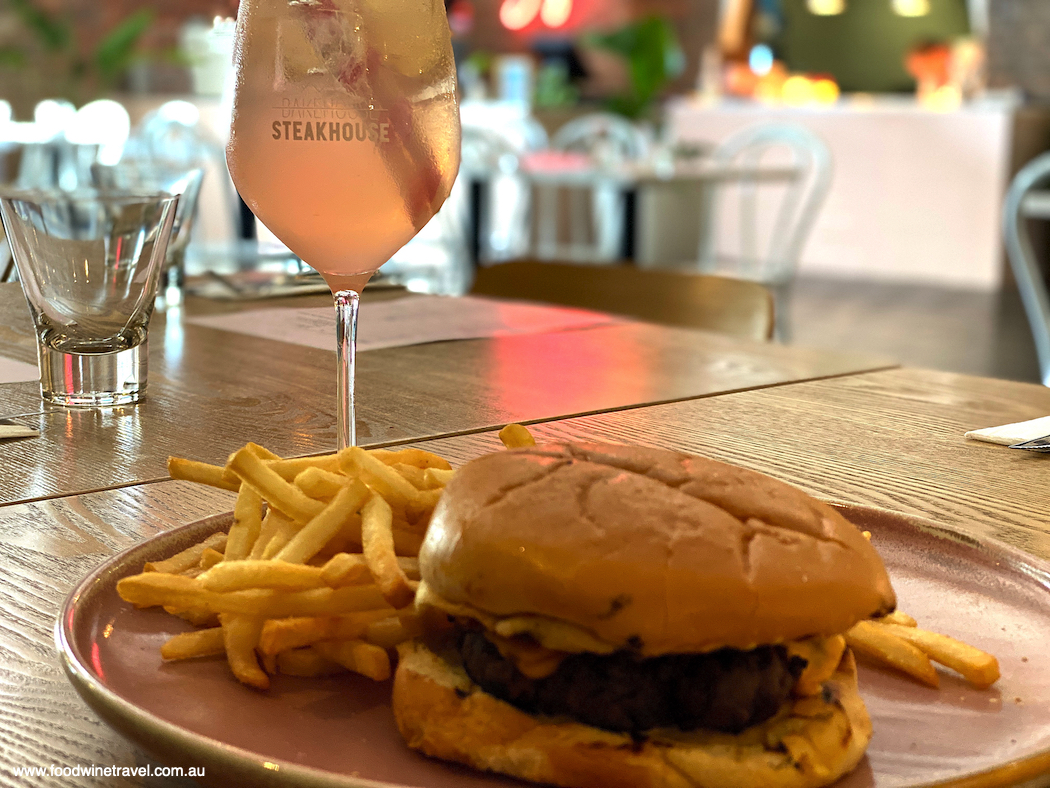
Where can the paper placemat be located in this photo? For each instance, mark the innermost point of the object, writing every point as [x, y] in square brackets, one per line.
[407, 321]
[17, 372]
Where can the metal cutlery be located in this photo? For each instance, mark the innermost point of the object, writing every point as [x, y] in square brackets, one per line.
[1035, 444]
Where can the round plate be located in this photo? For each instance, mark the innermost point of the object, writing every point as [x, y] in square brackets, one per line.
[340, 732]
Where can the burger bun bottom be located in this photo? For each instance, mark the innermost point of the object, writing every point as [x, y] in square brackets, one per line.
[809, 743]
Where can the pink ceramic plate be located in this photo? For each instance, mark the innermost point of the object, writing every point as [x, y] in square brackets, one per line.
[340, 732]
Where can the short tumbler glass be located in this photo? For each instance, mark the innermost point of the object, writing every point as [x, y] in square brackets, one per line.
[157, 175]
[90, 264]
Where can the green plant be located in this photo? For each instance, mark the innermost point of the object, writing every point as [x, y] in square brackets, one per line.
[654, 57]
[53, 47]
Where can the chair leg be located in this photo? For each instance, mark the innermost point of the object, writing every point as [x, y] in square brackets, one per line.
[782, 313]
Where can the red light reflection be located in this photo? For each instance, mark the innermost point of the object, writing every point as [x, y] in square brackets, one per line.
[519, 14]
[96, 661]
[540, 375]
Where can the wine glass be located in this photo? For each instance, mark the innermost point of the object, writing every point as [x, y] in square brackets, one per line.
[345, 138]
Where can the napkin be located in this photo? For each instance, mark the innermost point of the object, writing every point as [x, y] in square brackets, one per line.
[9, 430]
[1009, 434]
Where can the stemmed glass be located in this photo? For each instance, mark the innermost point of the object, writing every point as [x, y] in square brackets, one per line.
[345, 138]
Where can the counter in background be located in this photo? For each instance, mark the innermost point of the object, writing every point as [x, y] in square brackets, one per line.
[916, 194]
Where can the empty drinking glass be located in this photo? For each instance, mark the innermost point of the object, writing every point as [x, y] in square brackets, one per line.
[153, 175]
[90, 264]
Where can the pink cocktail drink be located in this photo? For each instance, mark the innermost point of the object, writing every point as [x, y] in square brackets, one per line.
[345, 135]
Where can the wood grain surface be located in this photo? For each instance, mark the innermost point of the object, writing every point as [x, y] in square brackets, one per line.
[891, 439]
[211, 391]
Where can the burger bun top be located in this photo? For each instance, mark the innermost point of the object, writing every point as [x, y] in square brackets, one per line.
[648, 549]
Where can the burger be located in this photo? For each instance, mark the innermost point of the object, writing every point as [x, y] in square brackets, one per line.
[605, 615]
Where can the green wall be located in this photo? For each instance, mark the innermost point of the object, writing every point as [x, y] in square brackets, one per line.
[864, 47]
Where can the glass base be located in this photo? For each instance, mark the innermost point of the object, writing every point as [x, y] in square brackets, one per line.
[93, 380]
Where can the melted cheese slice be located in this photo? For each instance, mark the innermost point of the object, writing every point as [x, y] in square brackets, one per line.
[822, 656]
[548, 632]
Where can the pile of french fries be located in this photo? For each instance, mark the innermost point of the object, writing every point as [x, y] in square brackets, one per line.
[896, 640]
[318, 572]
[319, 580]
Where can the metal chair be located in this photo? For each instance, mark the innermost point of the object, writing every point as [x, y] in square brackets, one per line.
[676, 298]
[492, 159]
[595, 212]
[1029, 198]
[755, 227]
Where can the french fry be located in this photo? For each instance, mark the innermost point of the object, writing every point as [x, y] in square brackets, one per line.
[288, 469]
[240, 637]
[410, 566]
[247, 520]
[280, 494]
[316, 533]
[420, 458]
[282, 535]
[189, 558]
[209, 558]
[348, 540]
[155, 589]
[199, 617]
[413, 475]
[319, 483]
[358, 656]
[377, 541]
[196, 643]
[436, 477]
[897, 617]
[873, 641]
[202, 473]
[423, 504]
[261, 451]
[271, 524]
[269, 663]
[281, 634]
[308, 663]
[396, 490]
[978, 667]
[388, 632]
[278, 575]
[516, 436]
[345, 569]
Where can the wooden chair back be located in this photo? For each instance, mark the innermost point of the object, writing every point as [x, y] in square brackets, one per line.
[712, 303]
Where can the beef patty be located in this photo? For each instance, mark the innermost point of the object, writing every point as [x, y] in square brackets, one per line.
[725, 690]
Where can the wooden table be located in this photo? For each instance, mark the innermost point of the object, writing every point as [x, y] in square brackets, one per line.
[211, 391]
[888, 438]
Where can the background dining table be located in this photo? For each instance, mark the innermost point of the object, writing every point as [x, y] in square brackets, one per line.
[845, 428]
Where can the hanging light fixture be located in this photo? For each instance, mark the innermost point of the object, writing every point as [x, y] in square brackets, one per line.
[911, 7]
[826, 7]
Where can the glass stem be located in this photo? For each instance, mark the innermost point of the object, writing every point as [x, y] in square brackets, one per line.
[346, 302]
